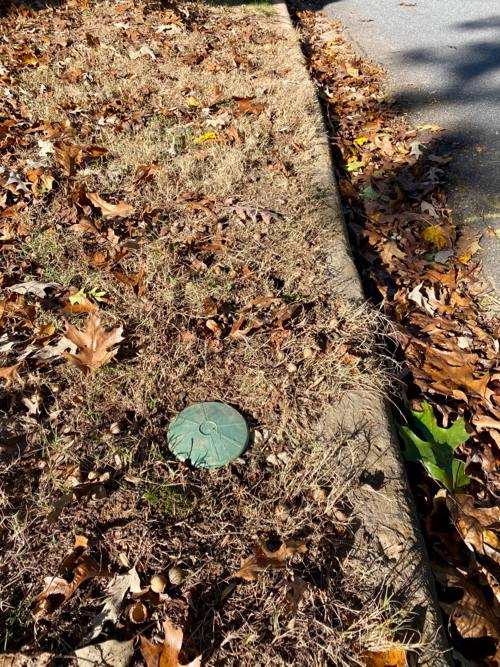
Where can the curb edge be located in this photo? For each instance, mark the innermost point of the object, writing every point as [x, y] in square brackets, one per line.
[388, 519]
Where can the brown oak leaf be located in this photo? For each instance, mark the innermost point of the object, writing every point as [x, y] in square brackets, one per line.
[120, 210]
[9, 373]
[77, 567]
[94, 344]
[263, 558]
[477, 525]
[166, 654]
[245, 105]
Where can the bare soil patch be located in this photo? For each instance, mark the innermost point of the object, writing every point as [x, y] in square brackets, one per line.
[156, 171]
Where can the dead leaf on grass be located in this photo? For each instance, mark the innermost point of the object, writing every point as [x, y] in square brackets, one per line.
[166, 654]
[34, 287]
[68, 156]
[263, 558]
[245, 105]
[115, 593]
[78, 567]
[145, 173]
[82, 305]
[296, 590]
[133, 280]
[392, 658]
[251, 213]
[93, 343]
[120, 210]
[111, 653]
[9, 373]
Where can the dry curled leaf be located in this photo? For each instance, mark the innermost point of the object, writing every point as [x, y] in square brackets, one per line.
[115, 594]
[133, 280]
[263, 558]
[392, 658]
[166, 654]
[9, 373]
[120, 210]
[472, 613]
[93, 343]
[476, 524]
[297, 587]
[245, 105]
[75, 569]
[68, 156]
[111, 653]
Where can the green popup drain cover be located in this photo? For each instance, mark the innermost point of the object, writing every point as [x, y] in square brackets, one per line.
[208, 434]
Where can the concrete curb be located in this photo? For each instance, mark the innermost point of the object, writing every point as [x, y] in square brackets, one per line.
[389, 539]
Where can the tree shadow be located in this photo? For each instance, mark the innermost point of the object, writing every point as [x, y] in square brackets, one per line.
[457, 85]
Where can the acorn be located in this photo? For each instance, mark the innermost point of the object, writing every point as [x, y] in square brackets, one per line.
[291, 368]
[176, 575]
[308, 353]
[159, 583]
[138, 613]
[99, 492]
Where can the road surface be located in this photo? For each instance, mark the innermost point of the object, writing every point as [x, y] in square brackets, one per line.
[443, 61]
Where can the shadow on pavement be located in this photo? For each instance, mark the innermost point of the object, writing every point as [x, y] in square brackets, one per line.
[460, 91]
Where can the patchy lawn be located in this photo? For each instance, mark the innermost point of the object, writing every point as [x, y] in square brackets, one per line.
[156, 173]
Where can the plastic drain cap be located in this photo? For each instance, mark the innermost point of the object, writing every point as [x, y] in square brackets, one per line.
[209, 434]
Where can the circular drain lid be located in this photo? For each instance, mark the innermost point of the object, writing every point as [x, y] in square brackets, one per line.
[208, 434]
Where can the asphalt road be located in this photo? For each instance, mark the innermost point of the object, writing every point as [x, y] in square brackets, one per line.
[443, 61]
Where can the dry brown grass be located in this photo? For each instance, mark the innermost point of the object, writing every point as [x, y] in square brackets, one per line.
[157, 511]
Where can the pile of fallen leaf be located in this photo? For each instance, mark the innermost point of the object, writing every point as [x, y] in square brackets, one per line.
[161, 245]
[392, 181]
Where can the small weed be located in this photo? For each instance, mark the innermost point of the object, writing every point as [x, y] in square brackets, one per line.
[170, 499]
[18, 622]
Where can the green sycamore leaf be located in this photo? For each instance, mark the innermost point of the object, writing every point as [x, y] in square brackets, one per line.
[435, 446]
[355, 166]
[370, 193]
[77, 298]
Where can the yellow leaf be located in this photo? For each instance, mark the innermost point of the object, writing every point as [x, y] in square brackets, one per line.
[392, 658]
[205, 137]
[464, 258]
[435, 235]
[491, 539]
[432, 128]
[46, 330]
[193, 102]
[360, 141]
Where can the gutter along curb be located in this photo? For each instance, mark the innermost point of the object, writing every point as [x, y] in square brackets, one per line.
[388, 541]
